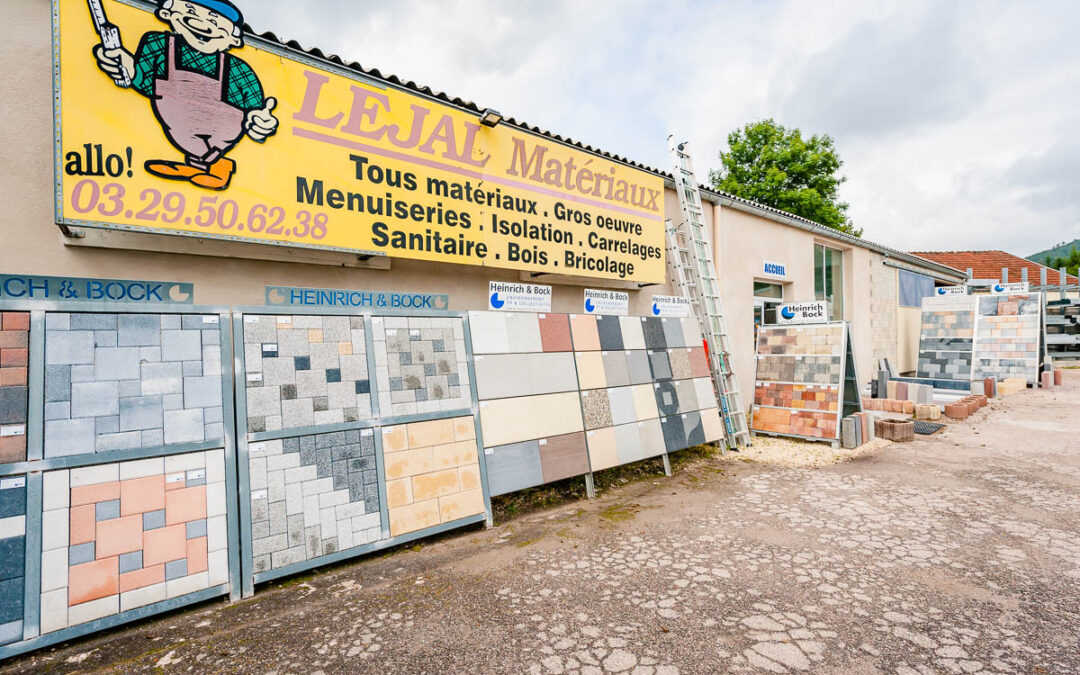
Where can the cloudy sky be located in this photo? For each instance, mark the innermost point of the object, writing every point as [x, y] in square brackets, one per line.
[957, 120]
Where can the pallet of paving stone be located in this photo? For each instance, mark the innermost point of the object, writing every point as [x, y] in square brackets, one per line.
[117, 499]
[564, 395]
[358, 434]
[800, 381]
[1008, 334]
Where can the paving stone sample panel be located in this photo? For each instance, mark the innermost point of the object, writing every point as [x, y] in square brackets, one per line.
[12, 557]
[312, 496]
[809, 369]
[14, 369]
[947, 337]
[796, 423]
[798, 396]
[432, 473]
[304, 371]
[422, 366]
[119, 536]
[131, 381]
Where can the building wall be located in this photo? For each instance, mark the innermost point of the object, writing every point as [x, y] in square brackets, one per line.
[883, 312]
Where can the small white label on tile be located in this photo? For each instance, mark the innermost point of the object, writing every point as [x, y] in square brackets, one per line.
[256, 448]
[254, 377]
[591, 433]
[175, 478]
[12, 483]
[573, 316]
[684, 416]
[392, 332]
[603, 353]
[478, 359]
[489, 451]
[251, 319]
[640, 424]
[628, 352]
[670, 351]
[366, 432]
[258, 494]
[284, 319]
[642, 319]
[543, 316]
[413, 333]
[387, 431]
[196, 474]
[543, 441]
[656, 386]
[584, 394]
[13, 430]
[377, 319]
[484, 404]
[211, 319]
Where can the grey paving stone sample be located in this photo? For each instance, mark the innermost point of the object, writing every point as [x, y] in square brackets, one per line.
[117, 372]
[654, 333]
[673, 333]
[421, 361]
[514, 467]
[305, 371]
[674, 433]
[312, 495]
[610, 331]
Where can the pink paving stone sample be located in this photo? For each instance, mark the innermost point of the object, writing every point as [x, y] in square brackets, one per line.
[93, 580]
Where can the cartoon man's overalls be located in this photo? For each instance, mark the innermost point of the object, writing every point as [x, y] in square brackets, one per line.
[196, 118]
[194, 114]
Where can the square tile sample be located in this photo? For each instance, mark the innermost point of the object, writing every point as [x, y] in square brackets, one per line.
[432, 473]
[14, 359]
[673, 333]
[633, 336]
[488, 331]
[616, 368]
[585, 332]
[12, 557]
[514, 467]
[692, 333]
[555, 333]
[654, 333]
[590, 370]
[131, 381]
[121, 536]
[660, 365]
[796, 422]
[312, 496]
[637, 363]
[421, 364]
[564, 456]
[680, 364]
[711, 425]
[706, 393]
[603, 448]
[597, 408]
[304, 371]
[509, 375]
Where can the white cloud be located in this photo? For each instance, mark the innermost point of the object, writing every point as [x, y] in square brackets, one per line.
[956, 120]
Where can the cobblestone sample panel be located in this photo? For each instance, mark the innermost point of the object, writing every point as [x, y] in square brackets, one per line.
[798, 382]
[12, 557]
[947, 337]
[130, 381]
[312, 496]
[116, 537]
[422, 366]
[1007, 337]
[432, 473]
[305, 371]
[14, 357]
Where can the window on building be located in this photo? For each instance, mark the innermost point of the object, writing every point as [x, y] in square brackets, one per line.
[914, 287]
[829, 279]
[766, 290]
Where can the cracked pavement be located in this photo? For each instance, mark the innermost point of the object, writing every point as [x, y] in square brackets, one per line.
[959, 553]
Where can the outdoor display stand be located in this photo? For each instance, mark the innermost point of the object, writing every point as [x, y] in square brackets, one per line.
[118, 466]
[968, 338]
[358, 433]
[806, 381]
[566, 395]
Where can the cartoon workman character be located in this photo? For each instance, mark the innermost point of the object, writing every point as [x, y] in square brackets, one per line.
[205, 98]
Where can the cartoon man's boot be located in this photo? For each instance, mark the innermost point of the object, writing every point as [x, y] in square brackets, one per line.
[217, 177]
[164, 168]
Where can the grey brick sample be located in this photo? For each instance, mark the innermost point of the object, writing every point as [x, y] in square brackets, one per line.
[421, 366]
[117, 381]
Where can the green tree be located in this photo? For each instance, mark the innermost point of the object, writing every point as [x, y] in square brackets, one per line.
[772, 165]
[1070, 262]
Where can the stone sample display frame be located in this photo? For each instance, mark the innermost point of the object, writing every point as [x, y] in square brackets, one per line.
[805, 382]
[360, 433]
[115, 505]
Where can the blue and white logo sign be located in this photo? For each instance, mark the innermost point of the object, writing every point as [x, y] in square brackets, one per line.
[515, 297]
[73, 289]
[803, 312]
[670, 305]
[951, 290]
[615, 303]
[1009, 289]
[774, 270]
[291, 296]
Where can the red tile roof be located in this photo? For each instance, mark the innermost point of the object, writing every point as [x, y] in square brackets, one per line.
[988, 265]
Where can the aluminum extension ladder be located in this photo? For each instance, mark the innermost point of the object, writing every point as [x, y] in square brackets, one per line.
[691, 260]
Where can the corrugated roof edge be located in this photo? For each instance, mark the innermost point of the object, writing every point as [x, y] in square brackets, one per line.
[708, 193]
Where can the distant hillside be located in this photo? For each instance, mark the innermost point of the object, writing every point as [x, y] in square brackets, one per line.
[1056, 252]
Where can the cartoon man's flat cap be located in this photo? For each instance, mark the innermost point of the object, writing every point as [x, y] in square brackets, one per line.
[222, 7]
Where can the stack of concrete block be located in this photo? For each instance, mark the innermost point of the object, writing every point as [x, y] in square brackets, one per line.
[889, 405]
[899, 431]
[1059, 378]
[857, 429]
[927, 412]
[965, 407]
[1013, 385]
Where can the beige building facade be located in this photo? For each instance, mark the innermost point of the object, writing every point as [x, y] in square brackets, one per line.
[749, 240]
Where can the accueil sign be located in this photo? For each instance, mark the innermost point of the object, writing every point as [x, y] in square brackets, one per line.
[803, 312]
[173, 120]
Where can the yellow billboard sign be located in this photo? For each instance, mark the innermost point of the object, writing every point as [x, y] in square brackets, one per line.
[174, 121]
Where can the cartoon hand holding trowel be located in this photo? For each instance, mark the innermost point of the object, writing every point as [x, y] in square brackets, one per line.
[205, 99]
